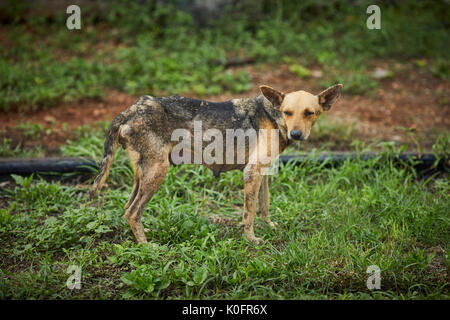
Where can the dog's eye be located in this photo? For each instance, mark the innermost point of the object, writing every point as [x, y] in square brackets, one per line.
[308, 113]
[288, 113]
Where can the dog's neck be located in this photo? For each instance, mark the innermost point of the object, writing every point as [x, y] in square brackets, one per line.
[276, 118]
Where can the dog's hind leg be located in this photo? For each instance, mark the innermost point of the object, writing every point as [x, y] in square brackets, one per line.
[150, 172]
[134, 159]
[134, 190]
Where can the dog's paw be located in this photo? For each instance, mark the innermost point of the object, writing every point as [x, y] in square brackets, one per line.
[255, 240]
[272, 224]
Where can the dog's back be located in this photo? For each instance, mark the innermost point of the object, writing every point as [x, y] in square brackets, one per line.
[231, 114]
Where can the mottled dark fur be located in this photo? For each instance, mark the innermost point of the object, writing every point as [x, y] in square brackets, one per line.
[144, 130]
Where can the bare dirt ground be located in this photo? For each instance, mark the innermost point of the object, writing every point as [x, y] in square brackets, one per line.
[413, 103]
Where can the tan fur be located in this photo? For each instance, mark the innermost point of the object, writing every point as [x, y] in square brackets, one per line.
[297, 103]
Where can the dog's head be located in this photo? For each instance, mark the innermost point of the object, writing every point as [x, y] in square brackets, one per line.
[301, 109]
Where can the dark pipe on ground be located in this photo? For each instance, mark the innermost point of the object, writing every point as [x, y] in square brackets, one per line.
[89, 166]
[47, 165]
[421, 162]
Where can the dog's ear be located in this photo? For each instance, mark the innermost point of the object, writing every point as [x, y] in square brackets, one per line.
[329, 96]
[274, 96]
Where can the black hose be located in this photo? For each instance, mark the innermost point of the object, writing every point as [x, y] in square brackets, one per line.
[47, 165]
[420, 162]
[89, 166]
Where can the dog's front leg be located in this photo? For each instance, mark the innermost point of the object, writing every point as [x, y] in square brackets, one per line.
[264, 202]
[252, 183]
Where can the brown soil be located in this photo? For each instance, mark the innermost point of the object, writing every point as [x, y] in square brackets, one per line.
[413, 99]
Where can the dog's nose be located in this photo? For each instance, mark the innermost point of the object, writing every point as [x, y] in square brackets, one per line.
[296, 134]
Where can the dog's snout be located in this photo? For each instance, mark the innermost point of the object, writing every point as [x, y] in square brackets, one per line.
[296, 134]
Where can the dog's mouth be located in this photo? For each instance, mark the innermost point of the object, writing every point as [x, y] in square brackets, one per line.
[291, 140]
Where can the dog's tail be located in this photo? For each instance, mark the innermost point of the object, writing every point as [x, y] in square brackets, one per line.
[110, 148]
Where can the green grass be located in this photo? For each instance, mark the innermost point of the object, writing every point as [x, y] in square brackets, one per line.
[333, 224]
[143, 48]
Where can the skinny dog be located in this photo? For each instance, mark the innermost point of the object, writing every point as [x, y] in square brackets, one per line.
[145, 130]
